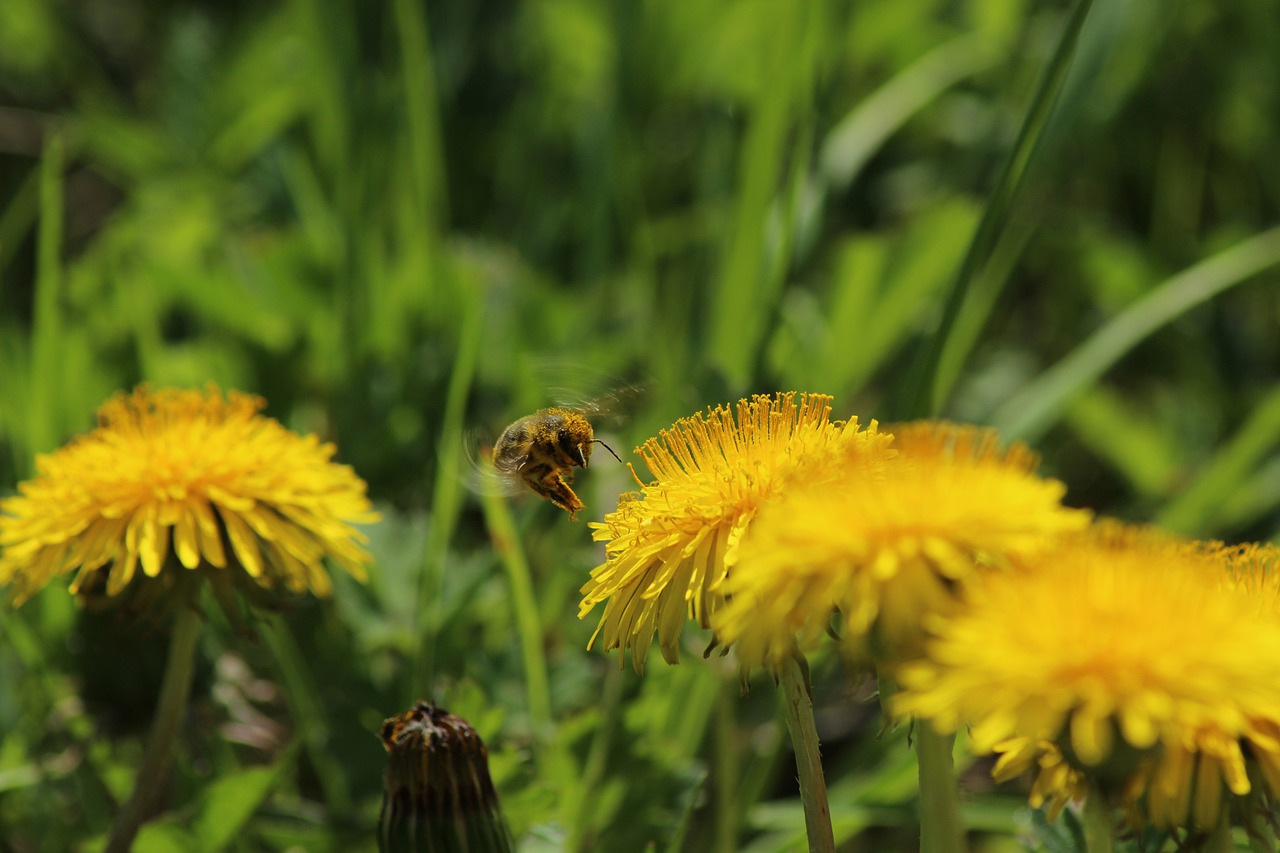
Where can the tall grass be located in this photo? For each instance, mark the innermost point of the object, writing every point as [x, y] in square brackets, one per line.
[384, 218]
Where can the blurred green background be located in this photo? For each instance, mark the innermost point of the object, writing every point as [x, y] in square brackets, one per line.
[406, 224]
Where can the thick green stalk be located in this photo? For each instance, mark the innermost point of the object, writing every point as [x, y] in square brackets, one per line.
[175, 690]
[804, 739]
[524, 603]
[1261, 838]
[1099, 830]
[1260, 832]
[941, 830]
[1220, 841]
[728, 764]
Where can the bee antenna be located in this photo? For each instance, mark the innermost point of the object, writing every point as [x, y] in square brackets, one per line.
[606, 447]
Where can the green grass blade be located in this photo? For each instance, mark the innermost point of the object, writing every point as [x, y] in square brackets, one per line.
[231, 800]
[743, 285]
[1139, 446]
[927, 385]
[17, 218]
[595, 770]
[1028, 414]
[984, 293]
[298, 678]
[860, 134]
[1195, 511]
[46, 365]
[418, 202]
[524, 603]
[426, 156]
[447, 497]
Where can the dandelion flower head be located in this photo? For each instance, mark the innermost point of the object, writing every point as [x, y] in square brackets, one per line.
[183, 478]
[1056, 782]
[671, 545]
[1125, 650]
[1254, 568]
[887, 550]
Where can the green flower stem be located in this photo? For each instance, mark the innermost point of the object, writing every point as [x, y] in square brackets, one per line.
[1261, 839]
[728, 767]
[1220, 840]
[1260, 832]
[804, 739]
[302, 696]
[940, 828]
[594, 774]
[1099, 830]
[175, 690]
[506, 542]
[446, 500]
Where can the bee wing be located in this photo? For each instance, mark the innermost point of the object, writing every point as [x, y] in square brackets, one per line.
[599, 395]
[612, 408]
[478, 470]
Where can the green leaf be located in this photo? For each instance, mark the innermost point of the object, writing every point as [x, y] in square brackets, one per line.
[1141, 448]
[1029, 413]
[231, 800]
[861, 133]
[938, 366]
[1198, 508]
[166, 835]
[1061, 836]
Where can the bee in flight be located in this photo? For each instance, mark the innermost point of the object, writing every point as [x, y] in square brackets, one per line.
[542, 449]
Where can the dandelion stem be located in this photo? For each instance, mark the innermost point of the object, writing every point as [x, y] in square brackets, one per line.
[728, 767]
[524, 603]
[1220, 840]
[1260, 840]
[1098, 832]
[1261, 834]
[804, 739]
[175, 690]
[940, 828]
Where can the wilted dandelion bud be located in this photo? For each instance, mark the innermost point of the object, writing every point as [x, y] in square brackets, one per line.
[437, 794]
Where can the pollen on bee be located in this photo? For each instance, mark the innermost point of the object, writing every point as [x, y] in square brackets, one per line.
[541, 450]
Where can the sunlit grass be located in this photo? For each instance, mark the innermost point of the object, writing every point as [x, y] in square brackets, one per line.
[380, 218]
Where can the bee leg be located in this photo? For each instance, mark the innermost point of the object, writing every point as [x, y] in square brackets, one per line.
[550, 484]
[560, 494]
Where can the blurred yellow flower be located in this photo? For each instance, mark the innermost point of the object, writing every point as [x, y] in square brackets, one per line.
[888, 550]
[1056, 782]
[1126, 650]
[183, 478]
[1253, 567]
[671, 546]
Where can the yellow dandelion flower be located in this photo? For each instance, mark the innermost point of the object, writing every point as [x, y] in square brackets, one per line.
[885, 550]
[671, 546]
[183, 478]
[1056, 782]
[1252, 567]
[1127, 652]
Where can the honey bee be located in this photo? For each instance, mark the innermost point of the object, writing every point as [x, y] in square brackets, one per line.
[542, 449]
